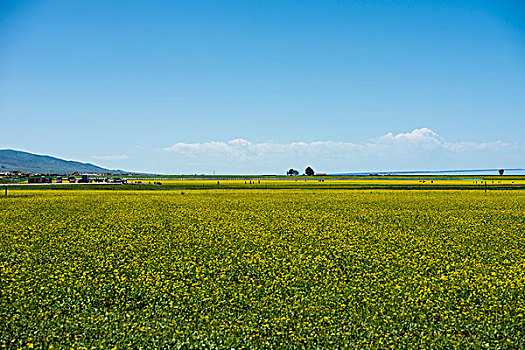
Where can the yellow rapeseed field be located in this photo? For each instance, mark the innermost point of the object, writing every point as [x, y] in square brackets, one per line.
[331, 182]
[262, 269]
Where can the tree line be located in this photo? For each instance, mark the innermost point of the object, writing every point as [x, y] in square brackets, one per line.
[308, 171]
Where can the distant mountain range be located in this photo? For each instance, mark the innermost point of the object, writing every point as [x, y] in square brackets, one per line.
[11, 160]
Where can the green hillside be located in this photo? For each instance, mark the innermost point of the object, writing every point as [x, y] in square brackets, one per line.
[11, 160]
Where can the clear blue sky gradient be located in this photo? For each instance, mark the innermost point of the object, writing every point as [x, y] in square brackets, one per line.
[85, 78]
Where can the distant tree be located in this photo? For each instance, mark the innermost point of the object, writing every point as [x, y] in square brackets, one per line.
[292, 172]
[309, 171]
[501, 171]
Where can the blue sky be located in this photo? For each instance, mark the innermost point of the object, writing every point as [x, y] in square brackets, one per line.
[262, 86]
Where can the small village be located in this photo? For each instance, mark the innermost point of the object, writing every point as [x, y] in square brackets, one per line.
[18, 177]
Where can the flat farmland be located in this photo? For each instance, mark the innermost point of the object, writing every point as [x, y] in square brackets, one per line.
[260, 268]
[300, 182]
[333, 182]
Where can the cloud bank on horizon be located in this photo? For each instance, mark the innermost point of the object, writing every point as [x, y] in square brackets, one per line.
[420, 149]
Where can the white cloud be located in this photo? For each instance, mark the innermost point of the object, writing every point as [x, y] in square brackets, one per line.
[423, 137]
[420, 149]
[111, 157]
